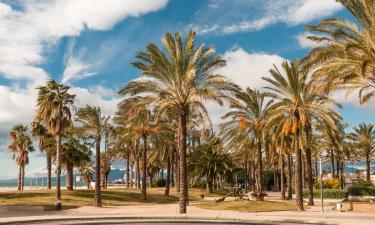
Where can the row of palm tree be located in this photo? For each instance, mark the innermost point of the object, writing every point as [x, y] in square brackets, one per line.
[162, 122]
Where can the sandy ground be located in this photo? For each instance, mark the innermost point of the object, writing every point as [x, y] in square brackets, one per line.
[311, 215]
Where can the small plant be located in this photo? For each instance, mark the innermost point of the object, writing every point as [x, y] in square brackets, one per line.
[161, 182]
[364, 183]
[333, 183]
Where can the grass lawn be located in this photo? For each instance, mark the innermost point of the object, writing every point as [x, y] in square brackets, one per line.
[249, 206]
[113, 197]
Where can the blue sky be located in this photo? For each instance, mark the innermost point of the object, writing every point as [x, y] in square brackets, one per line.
[89, 44]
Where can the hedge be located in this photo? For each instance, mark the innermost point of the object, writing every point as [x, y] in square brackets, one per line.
[361, 191]
[328, 193]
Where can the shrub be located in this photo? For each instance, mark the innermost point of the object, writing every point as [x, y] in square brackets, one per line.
[161, 182]
[328, 193]
[361, 191]
[364, 183]
[333, 183]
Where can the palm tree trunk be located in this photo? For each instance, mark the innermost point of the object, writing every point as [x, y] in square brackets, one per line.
[260, 172]
[282, 177]
[138, 173]
[168, 181]
[337, 166]
[172, 169]
[128, 170]
[19, 177]
[182, 148]
[298, 179]
[58, 171]
[23, 177]
[144, 174]
[342, 175]
[49, 169]
[289, 180]
[69, 177]
[332, 164]
[98, 200]
[253, 176]
[368, 167]
[209, 184]
[309, 167]
[177, 166]
[246, 176]
[309, 176]
[132, 173]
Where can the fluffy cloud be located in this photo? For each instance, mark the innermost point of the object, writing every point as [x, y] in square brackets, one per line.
[246, 69]
[249, 15]
[29, 30]
[307, 43]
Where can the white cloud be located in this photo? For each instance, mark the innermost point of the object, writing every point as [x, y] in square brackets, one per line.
[304, 42]
[249, 15]
[246, 69]
[26, 33]
[29, 30]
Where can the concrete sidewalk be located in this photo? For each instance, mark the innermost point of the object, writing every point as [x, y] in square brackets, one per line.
[171, 211]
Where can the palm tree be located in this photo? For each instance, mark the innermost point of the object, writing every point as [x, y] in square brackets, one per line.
[94, 124]
[46, 145]
[181, 77]
[20, 147]
[248, 112]
[75, 152]
[363, 139]
[347, 58]
[210, 160]
[137, 123]
[296, 106]
[87, 169]
[54, 110]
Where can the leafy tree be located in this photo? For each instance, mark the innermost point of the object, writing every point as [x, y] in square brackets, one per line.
[54, 105]
[20, 147]
[47, 145]
[182, 77]
[94, 124]
[363, 139]
[248, 111]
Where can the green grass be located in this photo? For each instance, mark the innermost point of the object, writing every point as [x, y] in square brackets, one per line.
[249, 206]
[110, 197]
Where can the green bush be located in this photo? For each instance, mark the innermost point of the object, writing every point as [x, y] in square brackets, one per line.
[333, 183]
[328, 193]
[365, 183]
[161, 182]
[361, 191]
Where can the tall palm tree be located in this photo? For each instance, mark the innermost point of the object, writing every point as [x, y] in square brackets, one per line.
[296, 106]
[249, 111]
[182, 77]
[137, 122]
[46, 145]
[20, 147]
[363, 139]
[94, 124]
[347, 58]
[54, 105]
